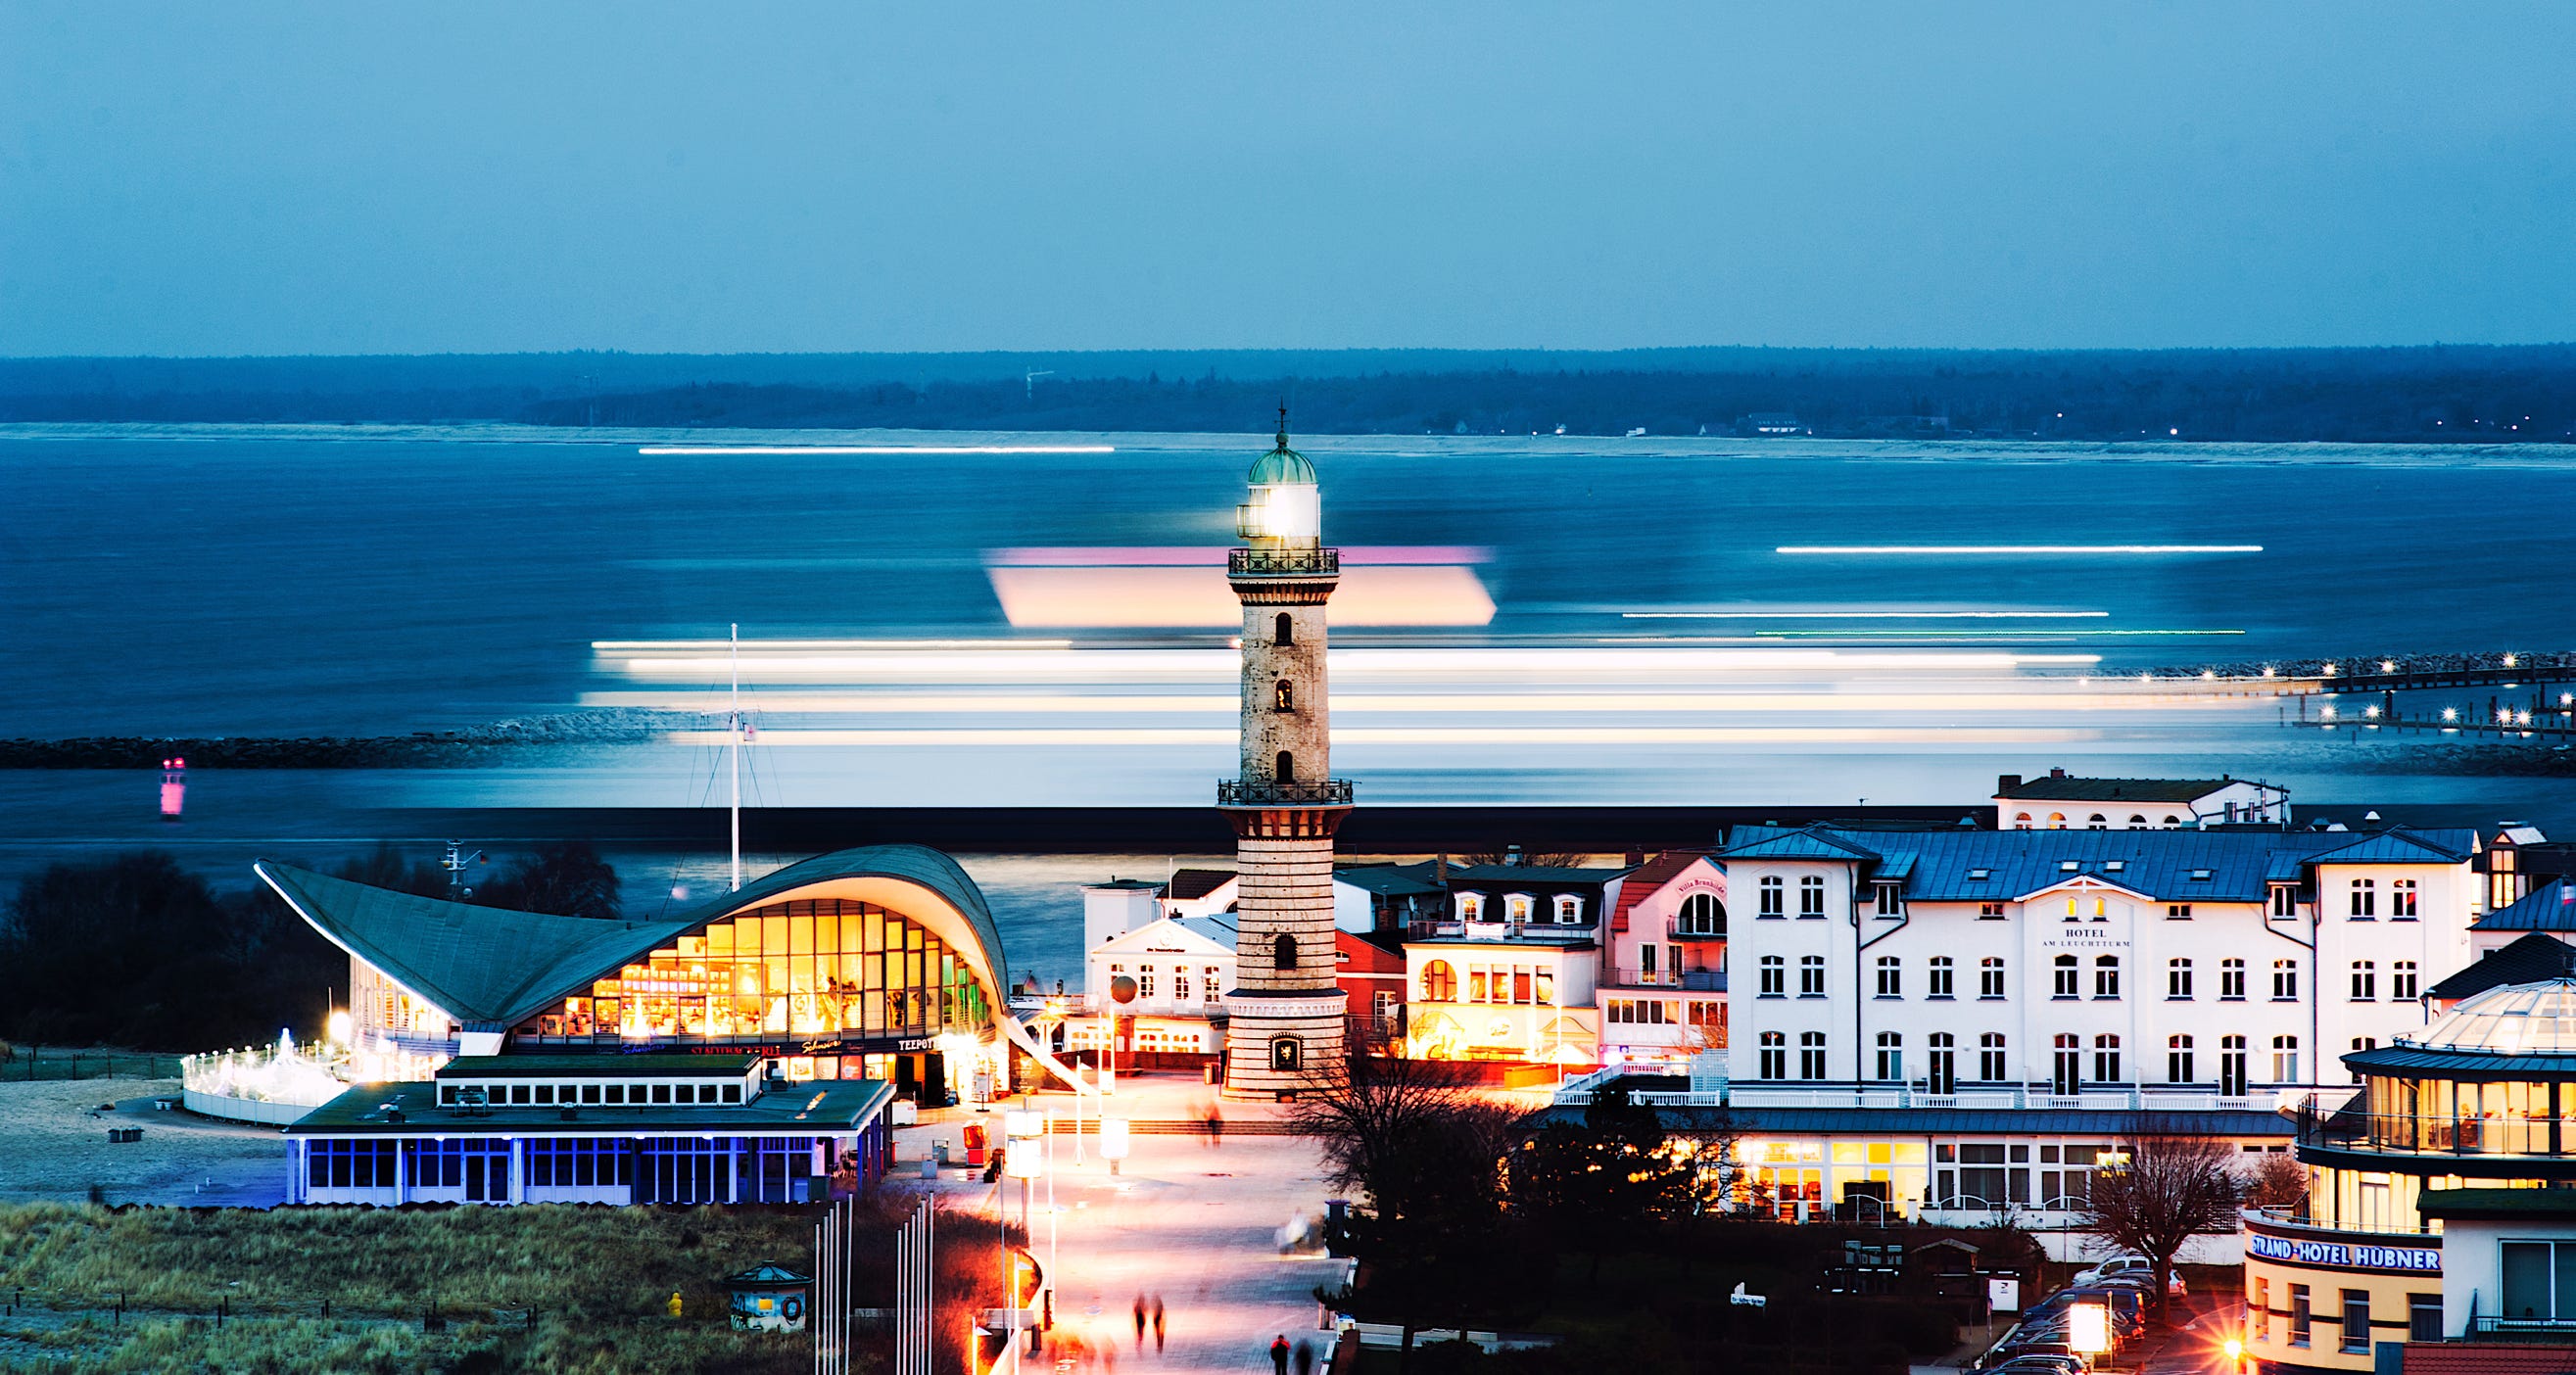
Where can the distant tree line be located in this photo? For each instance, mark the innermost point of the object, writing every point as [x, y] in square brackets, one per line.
[133, 950]
[2429, 394]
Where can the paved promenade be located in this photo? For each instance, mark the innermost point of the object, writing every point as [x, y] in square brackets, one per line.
[1197, 1224]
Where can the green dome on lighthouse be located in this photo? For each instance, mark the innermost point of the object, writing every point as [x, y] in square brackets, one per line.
[1282, 466]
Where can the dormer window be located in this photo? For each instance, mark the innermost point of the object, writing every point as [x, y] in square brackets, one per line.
[2285, 900]
[1518, 906]
[1569, 910]
[1471, 907]
[1891, 899]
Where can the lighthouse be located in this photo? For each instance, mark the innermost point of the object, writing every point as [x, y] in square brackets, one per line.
[1284, 1017]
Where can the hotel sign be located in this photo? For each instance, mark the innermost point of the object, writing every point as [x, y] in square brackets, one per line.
[2344, 1255]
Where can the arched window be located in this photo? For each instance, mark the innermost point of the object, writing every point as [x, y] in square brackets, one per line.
[2021, 821]
[1284, 696]
[1286, 772]
[1283, 1052]
[1775, 1055]
[1286, 631]
[2062, 978]
[2106, 976]
[2057, 821]
[1439, 982]
[2096, 822]
[1703, 915]
[2173, 823]
[1283, 951]
[2137, 823]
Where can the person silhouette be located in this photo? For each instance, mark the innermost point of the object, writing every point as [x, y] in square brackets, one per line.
[1140, 1322]
[1279, 1354]
[1158, 1324]
[1305, 1357]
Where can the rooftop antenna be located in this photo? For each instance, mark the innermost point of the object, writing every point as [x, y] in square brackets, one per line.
[1283, 422]
[733, 744]
[1031, 381]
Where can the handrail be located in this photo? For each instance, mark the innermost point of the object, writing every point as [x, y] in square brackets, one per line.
[1255, 562]
[1323, 792]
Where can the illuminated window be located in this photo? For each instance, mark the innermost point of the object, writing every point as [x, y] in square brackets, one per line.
[1283, 697]
[2401, 899]
[1439, 982]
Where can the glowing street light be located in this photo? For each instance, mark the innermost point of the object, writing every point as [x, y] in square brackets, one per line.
[1113, 1141]
[2450, 713]
[2088, 1328]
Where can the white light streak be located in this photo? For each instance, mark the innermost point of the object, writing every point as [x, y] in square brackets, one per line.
[1861, 615]
[863, 450]
[1421, 735]
[2001, 697]
[2018, 549]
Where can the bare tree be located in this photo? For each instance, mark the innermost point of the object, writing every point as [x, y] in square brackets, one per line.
[1382, 1121]
[2278, 1181]
[2169, 1190]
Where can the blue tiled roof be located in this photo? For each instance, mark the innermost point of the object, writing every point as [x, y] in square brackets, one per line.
[2549, 907]
[2169, 866]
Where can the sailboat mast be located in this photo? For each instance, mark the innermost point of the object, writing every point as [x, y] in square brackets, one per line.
[733, 745]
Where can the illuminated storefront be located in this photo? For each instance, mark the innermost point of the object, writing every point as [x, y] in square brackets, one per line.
[878, 963]
[2448, 1127]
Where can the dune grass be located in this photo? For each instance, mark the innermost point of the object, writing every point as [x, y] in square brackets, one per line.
[577, 1289]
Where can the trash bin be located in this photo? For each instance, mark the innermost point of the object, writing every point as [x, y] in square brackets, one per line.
[939, 1151]
[930, 1169]
[1207, 1072]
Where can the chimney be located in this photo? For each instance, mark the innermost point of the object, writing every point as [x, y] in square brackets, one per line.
[2005, 783]
[1634, 858]
[2057, 773]
[1511, 855]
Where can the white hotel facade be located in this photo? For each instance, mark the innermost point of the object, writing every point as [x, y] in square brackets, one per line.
[1954, 1024]
[2070, 968]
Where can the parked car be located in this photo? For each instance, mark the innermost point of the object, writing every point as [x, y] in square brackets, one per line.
[2034, 1364]
[2116, 1265]
[2055, 1350]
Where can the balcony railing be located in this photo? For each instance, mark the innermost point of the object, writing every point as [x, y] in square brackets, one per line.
[1677, 929]
[1323, 792]
[2555, 1331]
[1742, 1094]
[1259, 562]
[1688, 980]
[2423, 1134]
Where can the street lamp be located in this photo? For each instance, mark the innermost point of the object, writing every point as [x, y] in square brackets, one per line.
[2088, 1329]
[1113, 1141]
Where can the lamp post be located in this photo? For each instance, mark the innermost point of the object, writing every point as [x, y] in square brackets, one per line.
[1113, 1141]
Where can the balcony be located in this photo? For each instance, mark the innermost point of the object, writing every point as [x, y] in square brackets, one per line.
[1254, 563]
[1677, 930]
[2430, 1135]
[1688, 980]
[1915, 1095]
[1323, 792]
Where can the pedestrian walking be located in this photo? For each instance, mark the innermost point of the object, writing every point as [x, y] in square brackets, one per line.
[1140, 1322]
[1158, 1324]
[1305, 1357]
[1279, 1354]
[1215, 1126]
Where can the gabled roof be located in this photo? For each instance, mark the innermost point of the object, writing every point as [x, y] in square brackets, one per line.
[2117, 789]
[1218, 927]
[1190, 884]
[490, 968]
[2533, 959]
[1811, 842]
[1649, 878]
[2549, 907]
[1173, 935]
[1488, 874]
[2394, 846]
[768, 1272]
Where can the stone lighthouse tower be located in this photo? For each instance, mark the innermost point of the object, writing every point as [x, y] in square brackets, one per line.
[1284, 1019]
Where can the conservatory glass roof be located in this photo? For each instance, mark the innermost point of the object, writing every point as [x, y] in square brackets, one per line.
[2518, 1019]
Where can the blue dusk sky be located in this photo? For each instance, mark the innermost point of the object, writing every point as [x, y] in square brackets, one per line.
[258, 177]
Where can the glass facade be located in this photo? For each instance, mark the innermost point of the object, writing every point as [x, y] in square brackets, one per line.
[824, 968]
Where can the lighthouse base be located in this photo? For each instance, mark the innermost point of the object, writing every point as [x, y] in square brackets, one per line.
[1277, 1044]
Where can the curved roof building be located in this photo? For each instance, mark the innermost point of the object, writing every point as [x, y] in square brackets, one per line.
[848, 965]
